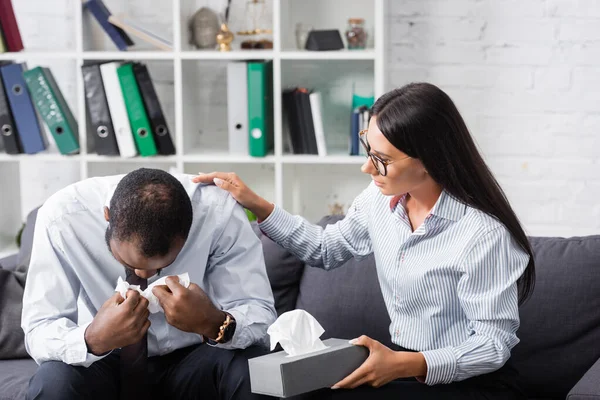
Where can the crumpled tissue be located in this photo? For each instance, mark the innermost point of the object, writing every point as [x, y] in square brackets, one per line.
[153, 304]
[297, 332]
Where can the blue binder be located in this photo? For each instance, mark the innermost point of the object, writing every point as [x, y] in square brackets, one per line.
[33, 138]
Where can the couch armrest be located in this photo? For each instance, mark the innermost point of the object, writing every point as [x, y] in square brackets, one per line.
[9, 263]
[588, 387]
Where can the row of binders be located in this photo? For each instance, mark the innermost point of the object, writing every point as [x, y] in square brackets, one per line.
[10, 36]
[125, 114]
[250, 107]
[22, 92]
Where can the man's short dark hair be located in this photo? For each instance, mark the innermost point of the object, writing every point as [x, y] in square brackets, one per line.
[152, 208]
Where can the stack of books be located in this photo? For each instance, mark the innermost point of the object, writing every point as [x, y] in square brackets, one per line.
[123, 110]
[22, 92]
[10, 37]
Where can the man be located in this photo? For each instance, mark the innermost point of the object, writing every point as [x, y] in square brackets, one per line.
[91, 343]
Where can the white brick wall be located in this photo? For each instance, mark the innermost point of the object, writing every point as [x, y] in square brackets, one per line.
[526, 76]
[524, 73]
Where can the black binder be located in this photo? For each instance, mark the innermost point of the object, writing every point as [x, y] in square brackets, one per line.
[160, 130]
[8, 129]
[101, 126]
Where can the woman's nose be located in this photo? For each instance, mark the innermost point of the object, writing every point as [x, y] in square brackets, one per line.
[368, 167]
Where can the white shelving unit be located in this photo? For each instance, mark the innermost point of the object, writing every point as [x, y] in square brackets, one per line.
[191, 85]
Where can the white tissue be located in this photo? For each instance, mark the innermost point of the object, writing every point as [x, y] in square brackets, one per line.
[298, 333]
[153, 304]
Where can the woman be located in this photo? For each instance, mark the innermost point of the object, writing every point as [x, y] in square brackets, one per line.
[452, 259]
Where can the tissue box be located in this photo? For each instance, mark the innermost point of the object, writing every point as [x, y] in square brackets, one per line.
[279, 375]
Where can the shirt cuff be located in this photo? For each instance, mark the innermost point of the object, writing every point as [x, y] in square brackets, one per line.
[441, 366]
[240, 339]
[278, 225]
[77, 351]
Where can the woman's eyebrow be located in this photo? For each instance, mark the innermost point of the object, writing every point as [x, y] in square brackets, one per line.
[380, 153]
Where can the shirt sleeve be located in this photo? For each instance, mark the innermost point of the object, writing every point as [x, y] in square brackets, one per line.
[488, 295]
[327, 247]
[50, 301]
[237, 279]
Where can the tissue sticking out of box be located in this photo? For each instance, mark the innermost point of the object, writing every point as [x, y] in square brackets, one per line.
[153, 304]
[297, 332]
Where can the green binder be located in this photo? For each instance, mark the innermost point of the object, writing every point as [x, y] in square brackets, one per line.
[260, 107]
[51, 105]
[138, 119]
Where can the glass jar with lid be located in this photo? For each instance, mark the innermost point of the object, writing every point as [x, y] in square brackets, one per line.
[356, 35]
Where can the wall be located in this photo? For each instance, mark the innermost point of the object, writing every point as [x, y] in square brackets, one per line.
[525, 74]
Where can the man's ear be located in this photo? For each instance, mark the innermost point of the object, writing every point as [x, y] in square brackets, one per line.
[106, 214]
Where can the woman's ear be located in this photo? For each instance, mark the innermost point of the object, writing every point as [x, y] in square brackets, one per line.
[106, 214]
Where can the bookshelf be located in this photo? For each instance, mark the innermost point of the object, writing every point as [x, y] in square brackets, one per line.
[191, 85]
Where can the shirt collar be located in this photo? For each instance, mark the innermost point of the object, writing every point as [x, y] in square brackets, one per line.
[446, 206]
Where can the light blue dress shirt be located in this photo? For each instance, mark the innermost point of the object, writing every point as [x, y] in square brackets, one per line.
[449, 286]
[72, 273]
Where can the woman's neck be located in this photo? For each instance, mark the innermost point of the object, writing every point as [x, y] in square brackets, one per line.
[422, 199]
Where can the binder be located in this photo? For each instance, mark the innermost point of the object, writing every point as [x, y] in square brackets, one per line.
[26, 120]
[140, 125]
[237, 107]
[10, 28]
[354, 129]
[51, 105]
[100, 122]
[317, 117]
[260, 107]
[8, 130]
[158, 122]
[102, 14]
[118, 112]
[292, 112]
[308, 129]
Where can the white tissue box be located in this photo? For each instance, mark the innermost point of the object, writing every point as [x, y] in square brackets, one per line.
[280, 375]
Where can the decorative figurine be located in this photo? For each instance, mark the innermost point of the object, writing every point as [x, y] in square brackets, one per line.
[224, 38]
[203, 28]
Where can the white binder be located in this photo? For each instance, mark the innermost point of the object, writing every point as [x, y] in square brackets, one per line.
[317, 116]
[118, 112]
[237, 107]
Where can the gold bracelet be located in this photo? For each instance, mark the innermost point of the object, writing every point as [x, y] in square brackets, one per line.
[222, 329]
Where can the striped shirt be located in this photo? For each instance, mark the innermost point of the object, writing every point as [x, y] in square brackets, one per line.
[449, 286]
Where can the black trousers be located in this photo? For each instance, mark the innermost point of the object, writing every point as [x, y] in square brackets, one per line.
[498, 385]
[196, 372]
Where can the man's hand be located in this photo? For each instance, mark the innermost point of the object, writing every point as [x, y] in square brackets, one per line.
[118, 323]
[190, 309]
[383, 366]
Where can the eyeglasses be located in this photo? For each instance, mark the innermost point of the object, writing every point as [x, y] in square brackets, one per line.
[379, 164]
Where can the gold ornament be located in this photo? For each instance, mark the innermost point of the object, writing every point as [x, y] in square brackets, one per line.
[224, 38]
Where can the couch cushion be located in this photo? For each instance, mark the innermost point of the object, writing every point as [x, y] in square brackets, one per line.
[14, 378]
[347, 301]
[560, 324]
[284, 271]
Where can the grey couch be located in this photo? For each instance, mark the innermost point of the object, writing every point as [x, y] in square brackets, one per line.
[559, 353]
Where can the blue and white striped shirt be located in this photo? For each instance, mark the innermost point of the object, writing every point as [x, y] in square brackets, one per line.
[449, 286]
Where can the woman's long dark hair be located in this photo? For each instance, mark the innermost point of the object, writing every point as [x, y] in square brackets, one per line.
[421, 120]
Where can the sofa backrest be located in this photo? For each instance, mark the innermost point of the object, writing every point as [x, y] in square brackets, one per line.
[560, 324]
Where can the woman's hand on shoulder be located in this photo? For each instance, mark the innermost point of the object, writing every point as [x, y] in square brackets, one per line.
[239, 191]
